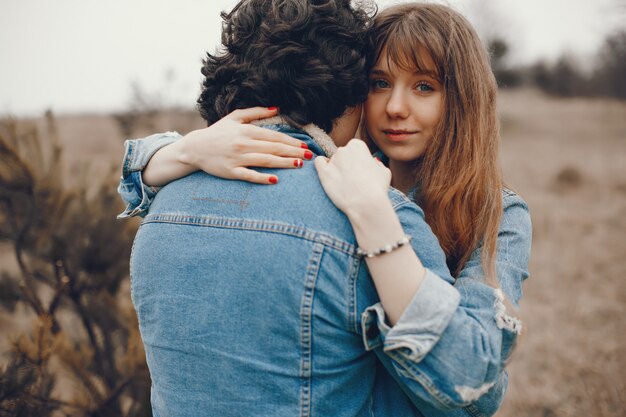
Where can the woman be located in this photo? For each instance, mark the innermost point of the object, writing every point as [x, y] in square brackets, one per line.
[431, 112]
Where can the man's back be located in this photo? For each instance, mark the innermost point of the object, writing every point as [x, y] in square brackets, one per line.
[248, 299]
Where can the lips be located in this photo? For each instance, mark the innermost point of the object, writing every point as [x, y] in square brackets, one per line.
[399, 131]
[399, 134]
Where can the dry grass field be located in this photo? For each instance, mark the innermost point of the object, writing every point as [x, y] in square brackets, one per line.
[567, 158]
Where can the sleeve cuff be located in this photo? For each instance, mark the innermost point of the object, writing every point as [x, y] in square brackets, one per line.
[136, 194]
[138, 152]
[420, 326]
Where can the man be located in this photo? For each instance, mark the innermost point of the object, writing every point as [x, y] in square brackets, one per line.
[249, 297]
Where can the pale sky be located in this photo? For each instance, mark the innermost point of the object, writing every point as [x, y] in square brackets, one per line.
[83, 55]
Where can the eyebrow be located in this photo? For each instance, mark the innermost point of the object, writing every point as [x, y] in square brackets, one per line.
[431, 74]
[377, 71]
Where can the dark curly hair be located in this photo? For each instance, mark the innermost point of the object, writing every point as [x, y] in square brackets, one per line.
[309, 57]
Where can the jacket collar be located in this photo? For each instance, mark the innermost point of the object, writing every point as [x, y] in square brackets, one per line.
[318, 135]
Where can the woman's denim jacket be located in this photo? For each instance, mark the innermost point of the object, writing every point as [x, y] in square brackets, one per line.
[449, 365]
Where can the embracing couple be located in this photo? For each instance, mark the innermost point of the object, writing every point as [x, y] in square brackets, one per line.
[325, 292]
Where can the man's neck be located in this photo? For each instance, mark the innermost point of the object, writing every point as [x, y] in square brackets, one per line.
[317, 134]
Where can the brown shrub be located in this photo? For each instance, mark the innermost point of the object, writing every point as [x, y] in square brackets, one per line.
[72, 267]
[568, 178]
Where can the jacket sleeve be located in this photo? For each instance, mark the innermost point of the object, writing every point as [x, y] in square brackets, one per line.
[458, 358]
[136, 195]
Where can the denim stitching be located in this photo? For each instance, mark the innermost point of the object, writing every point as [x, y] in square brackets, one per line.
[254, 225]
[352, 301]
[306, 317]
[130, 265]
[473, 411]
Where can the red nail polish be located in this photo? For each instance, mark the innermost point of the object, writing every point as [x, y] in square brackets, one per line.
[304, 146]
[272, 108]
[273, 180]
[298, 163]
[308, 155]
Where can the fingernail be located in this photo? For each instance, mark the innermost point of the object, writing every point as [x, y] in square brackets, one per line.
[273, 180]
[308, 155]
[298, 163]
[272, 108]
[304, 146]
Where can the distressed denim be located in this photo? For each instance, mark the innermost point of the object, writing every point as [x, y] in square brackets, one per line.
[448, 364]
[477, 341]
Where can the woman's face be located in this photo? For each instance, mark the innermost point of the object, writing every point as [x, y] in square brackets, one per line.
[403, 108]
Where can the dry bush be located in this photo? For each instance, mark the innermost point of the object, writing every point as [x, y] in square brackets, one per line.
[82, 354]
[568, 178]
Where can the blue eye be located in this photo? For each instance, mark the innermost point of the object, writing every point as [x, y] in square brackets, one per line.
[424, 87]
[378, 83]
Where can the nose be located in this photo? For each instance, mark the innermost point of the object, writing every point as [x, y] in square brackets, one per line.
[397, 105]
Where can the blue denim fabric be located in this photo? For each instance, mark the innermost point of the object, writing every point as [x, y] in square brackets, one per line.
[250, 297]
[451, 363]
[464, 372]
[133, 191]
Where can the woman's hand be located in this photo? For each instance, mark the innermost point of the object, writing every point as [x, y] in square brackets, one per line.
[352, 179]
[358, 185]
[227, 149]
[230, 146]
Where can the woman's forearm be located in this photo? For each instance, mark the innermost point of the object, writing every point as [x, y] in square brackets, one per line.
[168, 164]
[359, 186]
[227, 149]
[397, 275]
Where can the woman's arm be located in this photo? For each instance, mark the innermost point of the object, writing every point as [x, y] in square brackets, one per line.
[224, 149]
[358, 185]
[466, 366]
[443, 364]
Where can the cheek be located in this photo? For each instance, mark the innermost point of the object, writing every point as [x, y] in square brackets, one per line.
[432, 113]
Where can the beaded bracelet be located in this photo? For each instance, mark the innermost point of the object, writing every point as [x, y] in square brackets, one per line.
[385, 249]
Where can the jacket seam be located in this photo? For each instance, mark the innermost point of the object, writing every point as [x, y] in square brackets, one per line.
[255, 225]
[352, 300]
[400, 204]
[306, 329]
[130, 266]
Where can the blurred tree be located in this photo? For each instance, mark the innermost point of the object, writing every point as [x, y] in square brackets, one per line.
[610, 73]
[506, 75]
[142, 112]
[149, 110]
[72, 258]
[494, 29]
[541, 75]
[564, 78]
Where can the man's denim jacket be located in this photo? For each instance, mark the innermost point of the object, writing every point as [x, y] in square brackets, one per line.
[448, 351]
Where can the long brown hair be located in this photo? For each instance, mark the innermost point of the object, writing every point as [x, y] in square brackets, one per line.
[459, 175]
